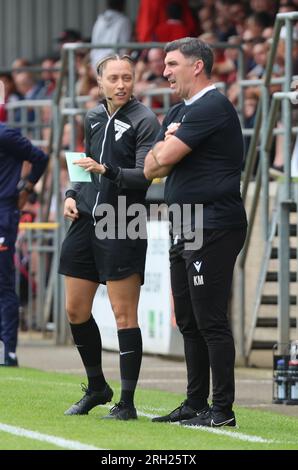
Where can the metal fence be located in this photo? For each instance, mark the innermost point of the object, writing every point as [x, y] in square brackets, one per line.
[263, 133]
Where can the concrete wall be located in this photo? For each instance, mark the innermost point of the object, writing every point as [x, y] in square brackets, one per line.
[28, 27]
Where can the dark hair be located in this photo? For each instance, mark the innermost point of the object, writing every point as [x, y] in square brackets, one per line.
[195, 49]
[287, 4]
[69, 35]
[262, 19]
[118, 5]
[100, 65]
[7, 75]
[174, 11]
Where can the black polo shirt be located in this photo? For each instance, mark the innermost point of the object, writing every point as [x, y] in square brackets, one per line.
[210, 173]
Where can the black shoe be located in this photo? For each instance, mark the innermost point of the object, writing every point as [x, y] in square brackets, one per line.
[11, 361]
[184, 411]
[122, 411]
[212, 419]
[90, 400]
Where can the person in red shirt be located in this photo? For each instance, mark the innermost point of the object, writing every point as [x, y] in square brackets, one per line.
[173, 28]
[154, 12]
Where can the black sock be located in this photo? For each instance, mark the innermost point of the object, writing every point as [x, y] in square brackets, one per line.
[88, 342]
[130, 345]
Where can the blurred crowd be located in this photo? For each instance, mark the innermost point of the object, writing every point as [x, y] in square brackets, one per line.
[235, 23]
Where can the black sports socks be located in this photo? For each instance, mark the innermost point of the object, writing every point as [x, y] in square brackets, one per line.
[88, 342]
[130, 345]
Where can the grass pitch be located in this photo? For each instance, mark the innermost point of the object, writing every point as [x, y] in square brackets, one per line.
[33, 401]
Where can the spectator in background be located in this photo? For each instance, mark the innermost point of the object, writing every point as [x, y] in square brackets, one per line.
[257, 22]
[29, 89]
[14, 193]
[286, 7]
[251, 99]
[152, 73]
[222, 8]
[57, 73]
[94, 97]
[222, 66]
[86, 79]
[260, 51]
[173, 27]
[10, 94]
[66, 138]
[260, 6]
[18, 64]
[152, 78]
[225, 20]
[206, 17]
[268, 33]
[111, 27]
[238, 13]
[69, 35]
[48, 78]
[231, 56]
[248, 41]
[154, 12]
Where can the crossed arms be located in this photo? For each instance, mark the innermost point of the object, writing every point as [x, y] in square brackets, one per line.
[165, 154]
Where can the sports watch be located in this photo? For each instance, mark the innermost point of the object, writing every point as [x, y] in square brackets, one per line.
[23, 186]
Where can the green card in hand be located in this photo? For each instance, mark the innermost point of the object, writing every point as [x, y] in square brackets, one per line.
[76, 173]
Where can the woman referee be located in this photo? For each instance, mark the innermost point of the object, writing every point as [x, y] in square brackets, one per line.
[118, 134]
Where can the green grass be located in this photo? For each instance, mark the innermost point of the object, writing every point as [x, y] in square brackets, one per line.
[36, 400]
[9, 442]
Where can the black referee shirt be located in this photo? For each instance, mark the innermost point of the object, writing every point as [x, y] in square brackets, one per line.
[122, 141]
[210, 173]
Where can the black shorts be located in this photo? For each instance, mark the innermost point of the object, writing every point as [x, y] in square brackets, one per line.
[84, 256]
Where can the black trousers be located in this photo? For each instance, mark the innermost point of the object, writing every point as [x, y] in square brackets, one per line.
[201, 283]
[9, 302]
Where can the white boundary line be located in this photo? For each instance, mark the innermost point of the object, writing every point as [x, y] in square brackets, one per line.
[37, 436]
[232, 434]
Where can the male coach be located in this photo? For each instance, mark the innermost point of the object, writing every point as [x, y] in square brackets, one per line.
[200, 147]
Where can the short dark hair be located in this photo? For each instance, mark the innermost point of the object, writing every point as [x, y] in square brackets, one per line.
[101, 64]
[193, 48]
[118, 5]
[69, 35]
[174, 11]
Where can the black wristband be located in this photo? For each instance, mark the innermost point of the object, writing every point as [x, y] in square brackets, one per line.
[111, 173]
[70, 193]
